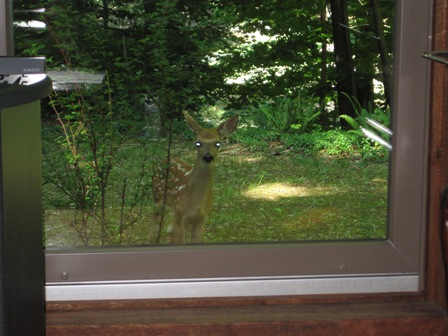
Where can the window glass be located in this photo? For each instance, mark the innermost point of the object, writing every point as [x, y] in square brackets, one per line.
[311, 83]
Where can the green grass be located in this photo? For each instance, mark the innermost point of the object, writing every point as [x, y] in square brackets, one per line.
[289, 198]
[258, 197]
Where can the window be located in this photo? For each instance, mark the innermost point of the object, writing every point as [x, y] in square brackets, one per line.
[391, 265]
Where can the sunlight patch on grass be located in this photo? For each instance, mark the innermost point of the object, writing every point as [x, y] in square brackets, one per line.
[276, 191]
[255, 159]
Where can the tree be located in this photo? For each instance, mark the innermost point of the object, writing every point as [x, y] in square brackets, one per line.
[177, 38]
[345, 71]
[382, 50]
[180, 54]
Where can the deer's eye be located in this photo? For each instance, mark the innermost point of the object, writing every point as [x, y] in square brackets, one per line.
[218, 145]
[198, 144]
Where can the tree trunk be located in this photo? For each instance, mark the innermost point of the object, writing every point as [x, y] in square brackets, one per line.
[345, 73]
[105, 13]
[323, 86]
[323, 69]
[382, 49]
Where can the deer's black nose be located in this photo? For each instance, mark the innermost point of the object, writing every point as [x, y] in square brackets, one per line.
[208, 158]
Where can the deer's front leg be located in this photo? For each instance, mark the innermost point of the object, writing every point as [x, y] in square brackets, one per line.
[197, 229]
[177, 232]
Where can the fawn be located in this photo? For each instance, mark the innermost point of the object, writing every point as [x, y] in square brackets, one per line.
[188, 190]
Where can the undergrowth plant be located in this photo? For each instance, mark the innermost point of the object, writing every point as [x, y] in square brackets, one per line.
[284, 115]
[80, 157]
[362, 114]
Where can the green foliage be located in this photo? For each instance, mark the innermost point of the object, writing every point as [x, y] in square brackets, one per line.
[282, 115]
[291, 122]
[179, 53]
[361, 120]
[277, 116]
[335, 143]
[79, 159]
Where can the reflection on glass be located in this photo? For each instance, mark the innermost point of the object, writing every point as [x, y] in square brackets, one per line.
[305, 79]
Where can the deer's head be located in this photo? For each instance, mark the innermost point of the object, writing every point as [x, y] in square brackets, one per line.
[208, 140]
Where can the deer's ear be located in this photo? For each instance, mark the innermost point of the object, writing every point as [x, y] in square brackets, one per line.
[194, 126]
[228, 126]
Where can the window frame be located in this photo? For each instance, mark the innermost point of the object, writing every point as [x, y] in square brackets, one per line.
[391, 265]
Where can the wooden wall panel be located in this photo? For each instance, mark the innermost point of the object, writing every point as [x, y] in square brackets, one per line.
[438, 160]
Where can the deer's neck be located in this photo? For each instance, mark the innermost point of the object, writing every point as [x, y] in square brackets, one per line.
[201, 183]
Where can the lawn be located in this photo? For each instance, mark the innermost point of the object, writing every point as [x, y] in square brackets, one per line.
[259, 196]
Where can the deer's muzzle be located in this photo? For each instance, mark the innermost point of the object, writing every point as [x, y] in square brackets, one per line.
[208, 158]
